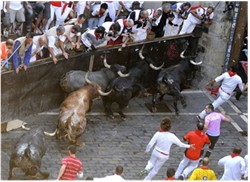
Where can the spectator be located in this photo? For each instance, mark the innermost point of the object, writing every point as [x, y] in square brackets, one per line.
[113, 7]
[45, 16]
[180, 12]
[97, 11]
[78, 21]
[73, 37]
[71, 165]
[191, 158]
[163, 141]
[16, 11]
[6, 48]
[203, 172]
[56, 38]
[197, 15]
[126, 33]
[22, 52]
[141, 24]
[114, 31]
[166, 15]
[80, 7]
[212, 126]
[5, 18]
[154, 19]
[34, 10]
[230, 80]
[170, 174]
[93, 38]
[234, 165]
[89, 178]
[38, 45]
[126, 8]
[116, 177]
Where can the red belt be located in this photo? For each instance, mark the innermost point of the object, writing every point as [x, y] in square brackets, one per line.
[225, 91]
[162, 152]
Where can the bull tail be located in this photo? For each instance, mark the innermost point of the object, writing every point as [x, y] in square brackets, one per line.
[50, 134]
[24, 127]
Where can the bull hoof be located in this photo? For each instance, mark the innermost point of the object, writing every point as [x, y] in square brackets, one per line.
[177, 113]
[111, 116]
[123, 118]
[154, 109]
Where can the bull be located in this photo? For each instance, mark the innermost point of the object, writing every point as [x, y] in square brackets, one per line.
[72, 116]
[27, 155]
[172, 81]
[73, 80]
[125, 88]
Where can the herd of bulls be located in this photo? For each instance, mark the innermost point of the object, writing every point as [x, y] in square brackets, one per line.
[115, 84]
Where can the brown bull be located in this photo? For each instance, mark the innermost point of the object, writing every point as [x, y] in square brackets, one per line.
[72, 116]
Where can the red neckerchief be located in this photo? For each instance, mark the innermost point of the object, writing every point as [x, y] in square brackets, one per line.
[97, 36]
[163, 130]
[199, 132]
[231, 73]
[64, 7]
[213, 91]
[169, 178]
[234, 155]
[56, 3]
[124, 23]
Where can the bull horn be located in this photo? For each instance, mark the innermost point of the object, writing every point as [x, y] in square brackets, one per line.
[24, 127]
[105, 63]
[50, 134]
[122, 75]
[182, 54]
[87, 80]
[156, 68]
[194, 63]
[103, 93]
[140, 53]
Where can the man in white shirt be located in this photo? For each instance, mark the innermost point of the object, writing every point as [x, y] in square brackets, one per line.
[37, 47]
[196, 16]
[162, 140]
[116, 177]
[56, 38]
[234, 165]
[230, 80]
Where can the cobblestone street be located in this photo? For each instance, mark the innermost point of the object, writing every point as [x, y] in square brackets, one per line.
[115, 142]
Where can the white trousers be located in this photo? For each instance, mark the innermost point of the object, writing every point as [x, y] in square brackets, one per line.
[155, 162]
[223, 97]
[189, 24]
[189, 166]
[171, 30]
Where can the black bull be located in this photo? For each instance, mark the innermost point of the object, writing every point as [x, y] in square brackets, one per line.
[125, 88]
[27, 155]
[172, 81]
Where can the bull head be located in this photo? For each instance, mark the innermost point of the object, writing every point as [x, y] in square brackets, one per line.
[98, 87]
[109, 66]
[150, 64]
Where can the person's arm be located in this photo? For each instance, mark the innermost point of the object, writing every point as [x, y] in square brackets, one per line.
[180, 144]
[206, 125]
[27, 57]
[226, 118]
[211, 82]
[93, 40]
[195, 14]
[61, 45]
[152, 142]
[61, 172]
[15, 56]
[222, 161]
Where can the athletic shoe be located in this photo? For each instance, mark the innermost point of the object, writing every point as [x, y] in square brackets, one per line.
[143, 173]
[181, 177]
[5, 33]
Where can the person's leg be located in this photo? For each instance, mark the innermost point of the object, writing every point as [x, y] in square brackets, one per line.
[52, 14]
[190, 168]
[181, 166]
[29, 17]
[157, 160]
[20, 17]
[46, 15]
[213, 140]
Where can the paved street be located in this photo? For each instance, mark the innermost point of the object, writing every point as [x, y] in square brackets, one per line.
[116, 142]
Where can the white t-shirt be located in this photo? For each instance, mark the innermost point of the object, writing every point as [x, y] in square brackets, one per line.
[163, 142]
[229, 83]
[233, 167]
[112, 178]
[16, 5]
